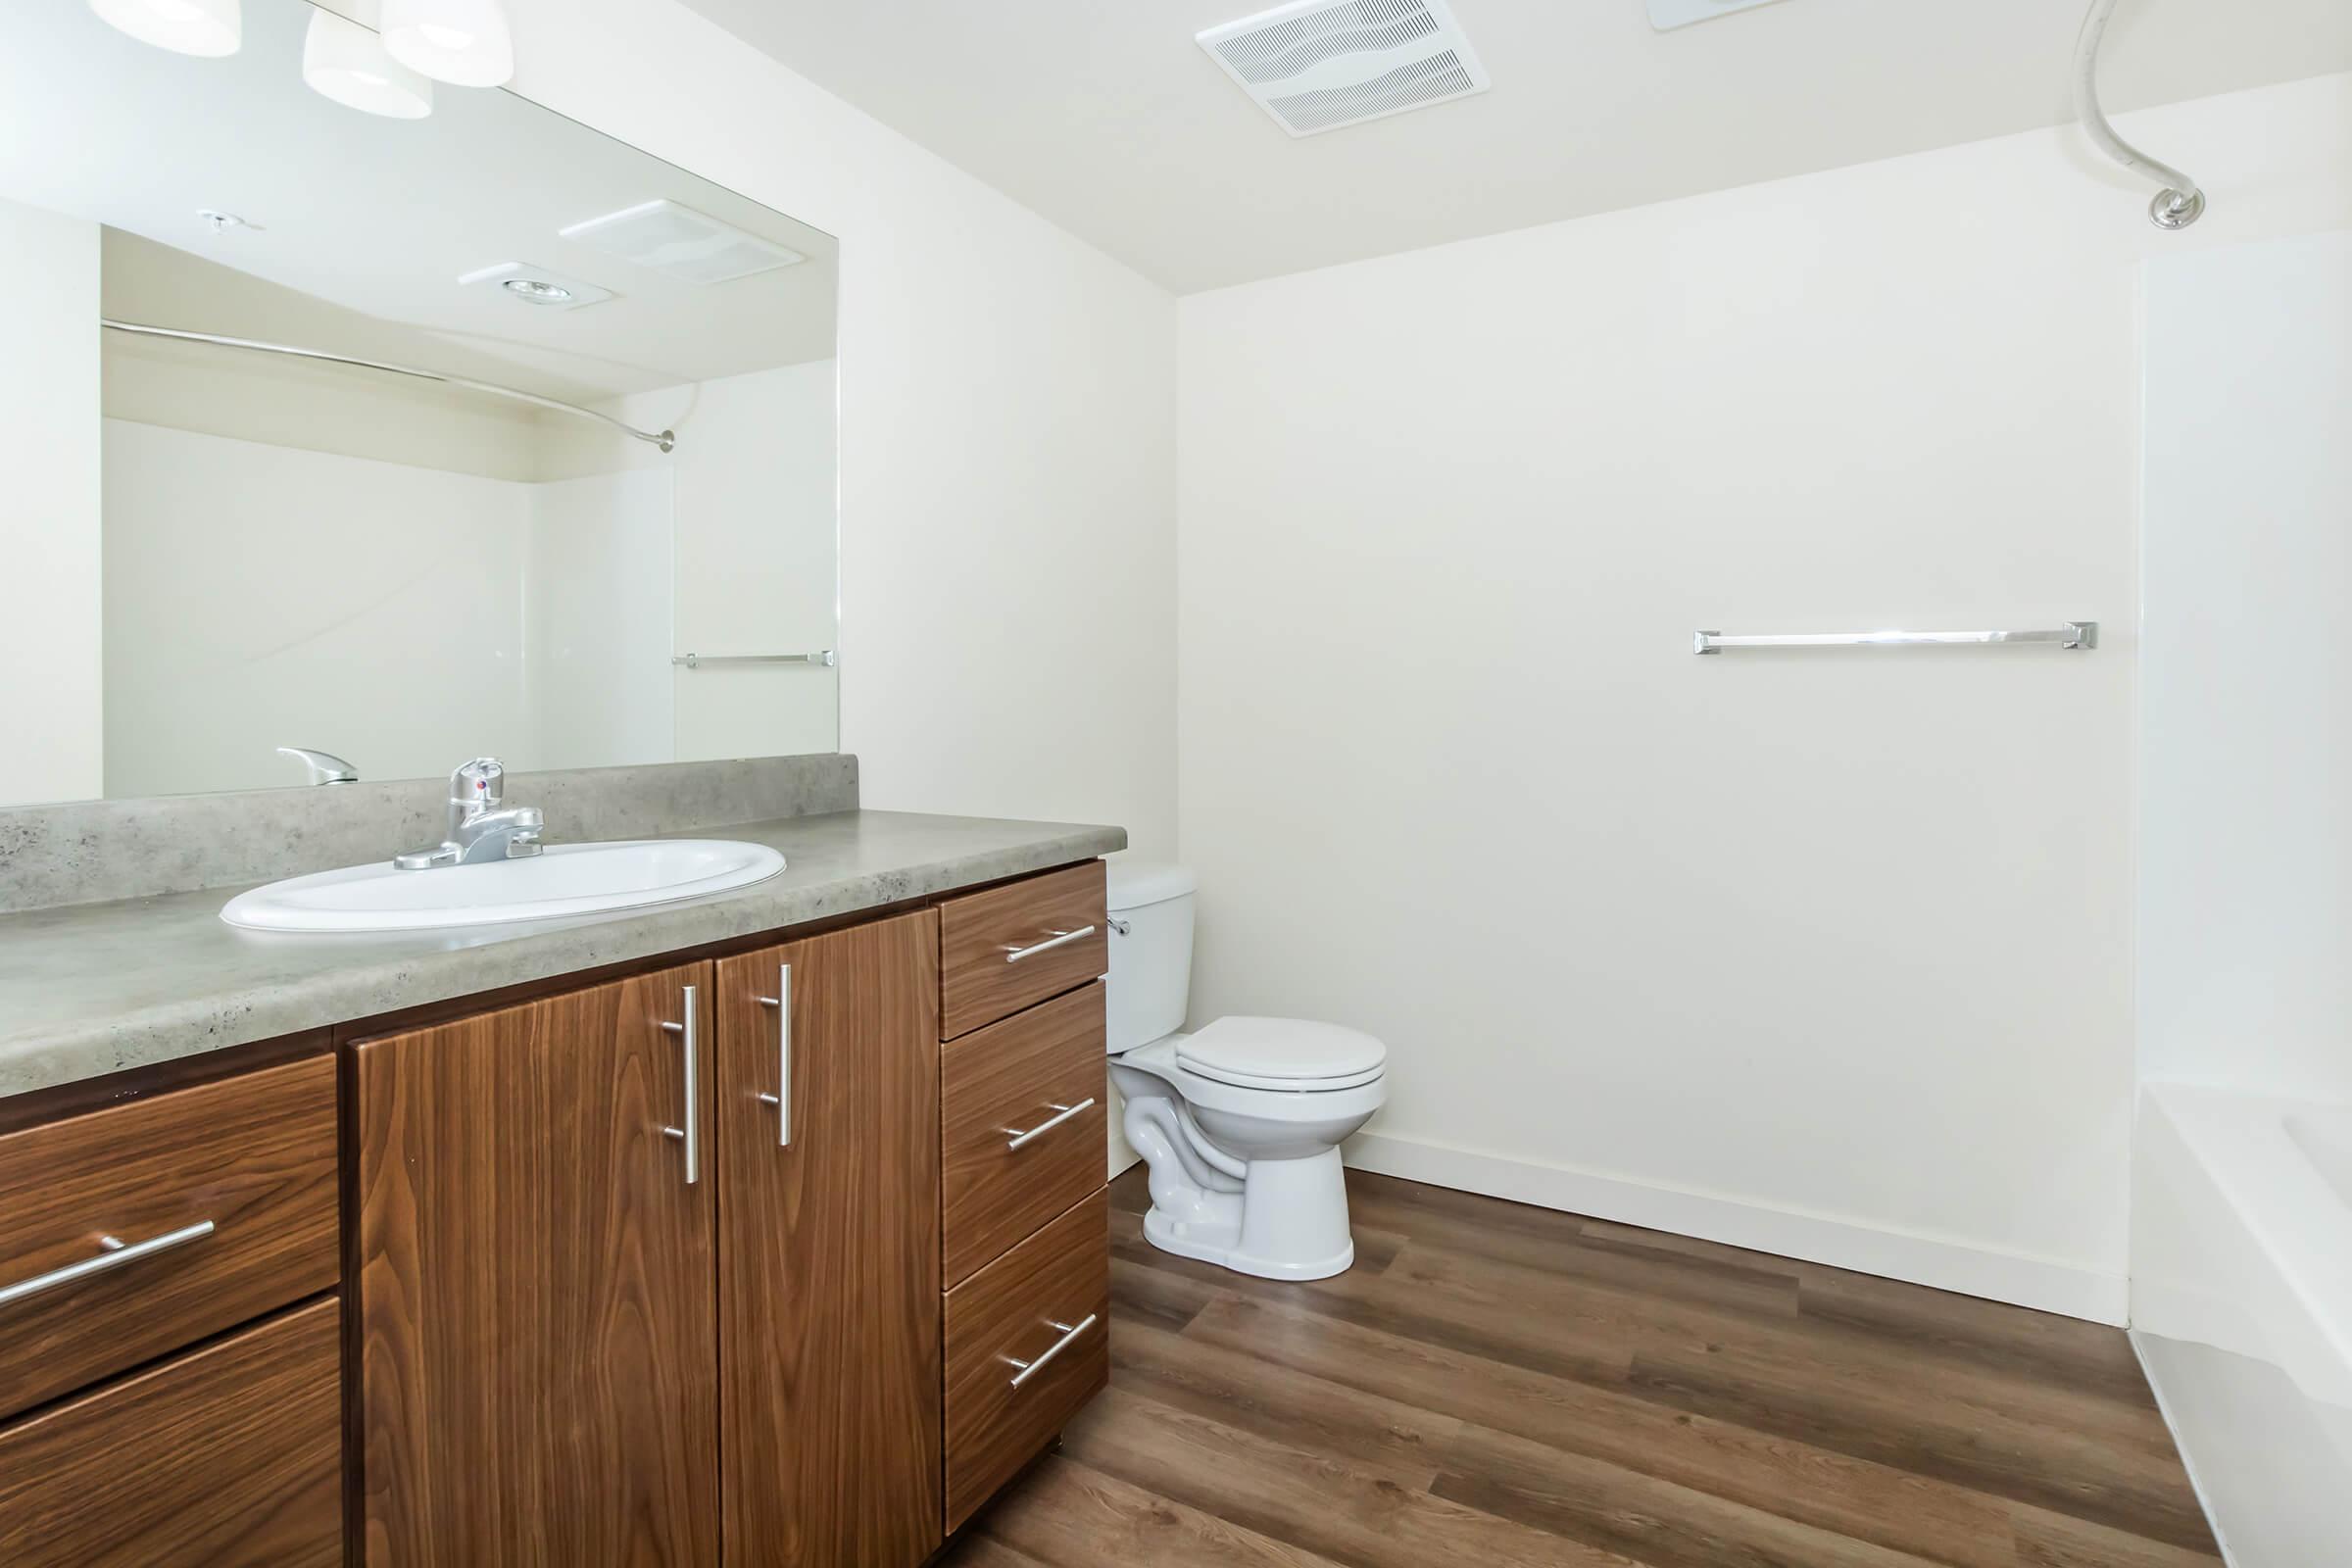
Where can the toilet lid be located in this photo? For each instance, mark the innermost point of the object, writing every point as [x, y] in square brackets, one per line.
[1282, 1054]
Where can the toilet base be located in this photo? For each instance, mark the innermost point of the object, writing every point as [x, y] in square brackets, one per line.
[1220, 1244]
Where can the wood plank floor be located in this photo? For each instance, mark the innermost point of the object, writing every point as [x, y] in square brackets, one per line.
[1505, 1385]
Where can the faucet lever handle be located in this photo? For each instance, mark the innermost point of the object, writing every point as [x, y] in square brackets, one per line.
[478, 783]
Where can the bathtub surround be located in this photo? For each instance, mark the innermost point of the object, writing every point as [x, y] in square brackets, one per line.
[85, 851]
[1827, 952]
[2241, 1279]
[2245, 883]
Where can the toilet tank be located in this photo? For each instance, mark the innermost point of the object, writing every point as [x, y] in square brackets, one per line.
[1152, 960]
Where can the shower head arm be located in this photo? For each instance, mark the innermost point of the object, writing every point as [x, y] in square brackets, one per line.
[2180, 201]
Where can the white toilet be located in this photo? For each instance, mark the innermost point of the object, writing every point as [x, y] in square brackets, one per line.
[1240, 1122]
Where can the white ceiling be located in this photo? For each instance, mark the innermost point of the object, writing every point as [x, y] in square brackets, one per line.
[375, 219]
[1105, 117]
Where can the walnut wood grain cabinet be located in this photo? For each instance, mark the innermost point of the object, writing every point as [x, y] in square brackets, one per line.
[535, 1275]
[1007, 948]
[649, 1272]
[129, 1232]
[829, 1259]
[1021, 1126]
[230, 1456]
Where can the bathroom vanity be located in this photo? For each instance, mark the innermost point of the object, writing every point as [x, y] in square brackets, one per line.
[787, 1247]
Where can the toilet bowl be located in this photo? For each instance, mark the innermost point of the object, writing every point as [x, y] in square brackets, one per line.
[1239, 1122]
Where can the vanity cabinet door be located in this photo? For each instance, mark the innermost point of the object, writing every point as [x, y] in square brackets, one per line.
[829, 1307]
[535, 1268]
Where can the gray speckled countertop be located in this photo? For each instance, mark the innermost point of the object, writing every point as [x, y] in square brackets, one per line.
[94, 987]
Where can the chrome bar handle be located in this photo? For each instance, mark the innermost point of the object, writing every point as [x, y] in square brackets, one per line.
[2077, 634]
[1057, 939]
[691, 1135]
[113, 1254]
[782, 1098]
[1022, 1139]
[1069, 1332]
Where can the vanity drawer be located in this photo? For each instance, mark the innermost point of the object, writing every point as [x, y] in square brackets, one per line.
[1005, 948]
[1013, 1156]
[222, 1197]
[1046, 1305]
[233, 1455]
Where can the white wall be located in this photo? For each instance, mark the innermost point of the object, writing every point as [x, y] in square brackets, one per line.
[2245, 892]
[1006, 417]
[1827, 952]
[50, 730]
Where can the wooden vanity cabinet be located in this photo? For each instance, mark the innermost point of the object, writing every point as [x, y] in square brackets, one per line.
[534, 1264]
[586, 1337]
[828, 1093]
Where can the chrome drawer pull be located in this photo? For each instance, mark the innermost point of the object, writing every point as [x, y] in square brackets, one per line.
[113, 1255]
[1022, 1139]
[782, 1098]
[1069, 1332]
[1016, 955]
[691, 1135]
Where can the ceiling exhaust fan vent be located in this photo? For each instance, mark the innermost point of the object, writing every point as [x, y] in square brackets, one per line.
[1318, 64]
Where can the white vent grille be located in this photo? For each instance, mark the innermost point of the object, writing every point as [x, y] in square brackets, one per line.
[1318, 64]
[684, 243]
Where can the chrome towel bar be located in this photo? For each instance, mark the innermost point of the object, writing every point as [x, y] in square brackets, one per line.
[823, 656]
[2074, 634]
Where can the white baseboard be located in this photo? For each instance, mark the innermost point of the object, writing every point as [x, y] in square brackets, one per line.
[1946, 1266]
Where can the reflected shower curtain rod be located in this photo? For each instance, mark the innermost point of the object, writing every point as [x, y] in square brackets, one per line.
[665, 439]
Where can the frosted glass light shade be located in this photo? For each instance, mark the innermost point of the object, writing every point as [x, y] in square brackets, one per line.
[208, 27]
[345, 62]
[463, 43]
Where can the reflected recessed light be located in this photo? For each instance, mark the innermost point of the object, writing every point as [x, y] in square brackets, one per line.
[543, 286]
[538, 290]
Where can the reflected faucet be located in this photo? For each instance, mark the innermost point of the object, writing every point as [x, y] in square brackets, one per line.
[480, 827]
[326, 767]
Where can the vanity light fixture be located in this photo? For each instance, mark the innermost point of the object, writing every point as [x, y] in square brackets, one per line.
[465, 43]
[206, 28]
[345, 62]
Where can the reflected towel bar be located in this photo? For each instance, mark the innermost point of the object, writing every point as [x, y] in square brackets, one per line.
[665, 439]
[823, 656]
[2080, 634]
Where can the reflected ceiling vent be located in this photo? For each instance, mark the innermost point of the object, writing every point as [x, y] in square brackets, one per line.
[1316, 66]
[1667, 15]
[683, 242]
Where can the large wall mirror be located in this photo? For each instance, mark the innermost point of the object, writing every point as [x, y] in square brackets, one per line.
[599, 529]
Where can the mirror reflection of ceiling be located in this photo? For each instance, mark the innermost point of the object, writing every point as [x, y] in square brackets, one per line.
[379, 218]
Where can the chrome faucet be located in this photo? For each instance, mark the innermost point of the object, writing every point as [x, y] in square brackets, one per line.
[481, 825]
[323, 767]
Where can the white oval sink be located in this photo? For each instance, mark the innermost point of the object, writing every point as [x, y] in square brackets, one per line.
[565, 879]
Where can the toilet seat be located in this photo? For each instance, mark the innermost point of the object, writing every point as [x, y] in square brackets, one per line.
[1293, 1055]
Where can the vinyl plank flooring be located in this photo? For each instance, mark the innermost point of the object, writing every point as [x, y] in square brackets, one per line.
[1373, 1435]
[1069, 1515]
[1500, 1385]
[1834, 1491]
[1356, 1519]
